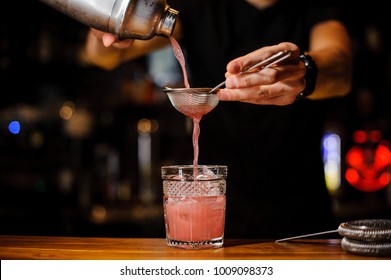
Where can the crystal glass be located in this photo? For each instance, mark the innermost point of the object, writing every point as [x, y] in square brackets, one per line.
[194, 205]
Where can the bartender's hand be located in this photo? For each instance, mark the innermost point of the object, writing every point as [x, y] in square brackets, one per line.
[277, 85]
[329, 46]
[103, 49]
[106, 51]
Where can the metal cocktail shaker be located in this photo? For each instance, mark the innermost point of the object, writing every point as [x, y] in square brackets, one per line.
[135, 19]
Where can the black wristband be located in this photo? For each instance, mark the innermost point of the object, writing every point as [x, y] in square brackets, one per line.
[310, 76]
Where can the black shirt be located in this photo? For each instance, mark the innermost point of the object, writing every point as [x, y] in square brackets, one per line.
[275, 184]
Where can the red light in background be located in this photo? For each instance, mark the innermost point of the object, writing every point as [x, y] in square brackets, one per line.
[368, 162]
[375, 136]
[359, 136]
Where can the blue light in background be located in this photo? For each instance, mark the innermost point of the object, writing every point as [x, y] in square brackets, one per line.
[14, 127]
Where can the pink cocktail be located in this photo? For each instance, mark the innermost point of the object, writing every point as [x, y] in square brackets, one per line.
[194, 208]
[195, 219]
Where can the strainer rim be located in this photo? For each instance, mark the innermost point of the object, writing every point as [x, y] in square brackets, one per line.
[200, 90]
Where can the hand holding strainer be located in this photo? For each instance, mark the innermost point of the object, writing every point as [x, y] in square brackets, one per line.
[196, 102]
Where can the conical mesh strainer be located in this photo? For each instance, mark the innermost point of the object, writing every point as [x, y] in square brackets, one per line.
[192, 102]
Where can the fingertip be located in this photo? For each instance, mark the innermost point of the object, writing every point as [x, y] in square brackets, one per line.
[108, 39]
[234, 67]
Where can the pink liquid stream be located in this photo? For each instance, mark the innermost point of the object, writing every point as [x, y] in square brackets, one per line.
[178, 53]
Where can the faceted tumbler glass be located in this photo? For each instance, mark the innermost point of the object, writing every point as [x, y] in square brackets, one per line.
[194, 205]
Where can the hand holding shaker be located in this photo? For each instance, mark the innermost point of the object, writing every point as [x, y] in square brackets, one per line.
[128, 19]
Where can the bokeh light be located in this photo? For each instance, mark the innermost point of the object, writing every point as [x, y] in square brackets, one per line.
[14, 127]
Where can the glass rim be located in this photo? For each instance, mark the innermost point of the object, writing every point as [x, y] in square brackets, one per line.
[187, 172]
[188, 166]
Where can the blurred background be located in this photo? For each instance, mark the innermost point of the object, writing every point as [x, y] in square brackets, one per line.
[81, 148]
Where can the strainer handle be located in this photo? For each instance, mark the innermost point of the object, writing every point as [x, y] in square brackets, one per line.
[268, 62]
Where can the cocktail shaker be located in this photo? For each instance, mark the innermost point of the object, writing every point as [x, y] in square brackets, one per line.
[128, 19]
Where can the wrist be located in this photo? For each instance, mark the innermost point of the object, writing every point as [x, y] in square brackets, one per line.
[310, 76]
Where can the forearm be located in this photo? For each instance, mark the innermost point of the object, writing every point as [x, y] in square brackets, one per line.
[334, 77]
[330, 48]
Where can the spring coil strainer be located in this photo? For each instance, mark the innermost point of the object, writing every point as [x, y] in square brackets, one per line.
[371, 237]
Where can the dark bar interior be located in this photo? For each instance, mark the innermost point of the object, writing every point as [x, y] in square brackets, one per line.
[81, 147]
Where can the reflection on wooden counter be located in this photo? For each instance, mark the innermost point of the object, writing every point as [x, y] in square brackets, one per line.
[88, 248]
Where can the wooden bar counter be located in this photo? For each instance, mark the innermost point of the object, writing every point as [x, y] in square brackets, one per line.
[88, 248]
